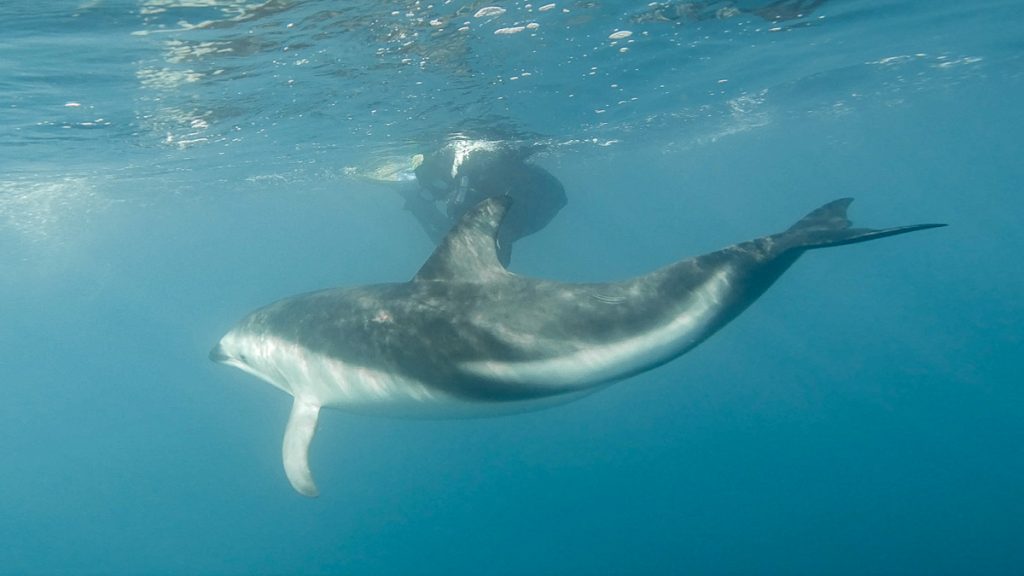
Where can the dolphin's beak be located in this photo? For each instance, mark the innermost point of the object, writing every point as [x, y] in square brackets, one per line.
[218, 355]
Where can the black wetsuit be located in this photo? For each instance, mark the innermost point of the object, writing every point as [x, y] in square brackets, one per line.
[537, 195]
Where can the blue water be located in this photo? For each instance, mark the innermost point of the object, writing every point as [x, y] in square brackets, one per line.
[166, 166]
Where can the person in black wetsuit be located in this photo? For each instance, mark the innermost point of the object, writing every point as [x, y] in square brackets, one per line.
[462, 174]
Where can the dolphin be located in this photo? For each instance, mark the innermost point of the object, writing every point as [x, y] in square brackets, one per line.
[466, 337]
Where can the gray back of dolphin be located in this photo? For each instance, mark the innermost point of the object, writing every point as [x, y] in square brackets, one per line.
[466, 337]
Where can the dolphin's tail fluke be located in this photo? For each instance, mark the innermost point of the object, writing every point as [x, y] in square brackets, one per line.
[828, 226]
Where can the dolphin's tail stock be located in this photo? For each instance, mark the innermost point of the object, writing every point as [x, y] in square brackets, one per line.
[828, 226]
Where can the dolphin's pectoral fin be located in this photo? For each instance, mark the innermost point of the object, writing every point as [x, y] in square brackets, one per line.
[297, 436]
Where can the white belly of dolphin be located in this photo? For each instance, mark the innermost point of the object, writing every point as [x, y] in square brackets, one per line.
[614, 360]
[307, 374]
[326, 381]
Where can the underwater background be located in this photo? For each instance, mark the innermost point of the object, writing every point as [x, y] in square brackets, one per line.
[166, 166]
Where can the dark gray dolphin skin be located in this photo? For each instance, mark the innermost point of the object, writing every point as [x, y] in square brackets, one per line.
[466, 337]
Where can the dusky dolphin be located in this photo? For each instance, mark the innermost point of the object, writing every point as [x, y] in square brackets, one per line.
[466, 337]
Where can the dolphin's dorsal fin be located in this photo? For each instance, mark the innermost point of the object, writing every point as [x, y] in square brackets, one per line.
[469, 251]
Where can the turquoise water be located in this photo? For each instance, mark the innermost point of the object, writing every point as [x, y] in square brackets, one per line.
[166, 166]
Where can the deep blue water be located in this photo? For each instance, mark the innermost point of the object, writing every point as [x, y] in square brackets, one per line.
[166, 166]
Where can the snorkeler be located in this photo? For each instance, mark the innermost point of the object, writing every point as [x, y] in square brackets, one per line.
[462, 174]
